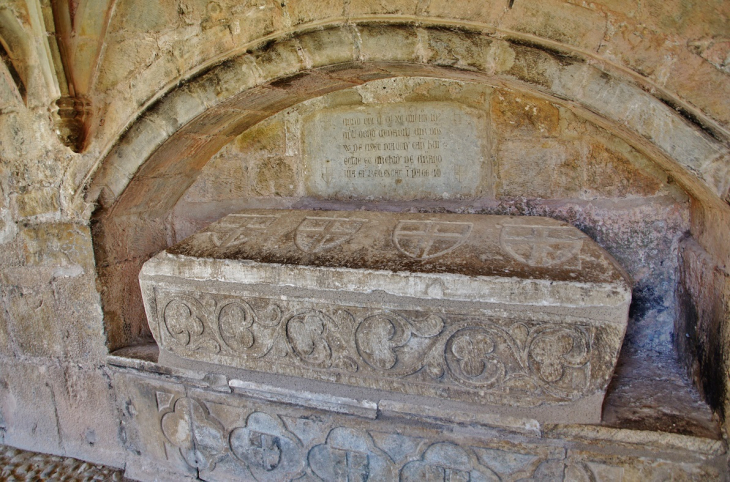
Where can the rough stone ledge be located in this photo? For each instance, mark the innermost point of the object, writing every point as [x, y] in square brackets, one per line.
[643, 438]
[361, 408]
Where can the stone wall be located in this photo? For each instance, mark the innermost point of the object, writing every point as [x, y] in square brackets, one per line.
[628, 105]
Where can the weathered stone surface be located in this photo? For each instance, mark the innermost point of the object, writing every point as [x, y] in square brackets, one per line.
[37, 202]
[568, 23]
[58, 245]
[519, 115]
[33, 324]
[485, 309]
[221, 434]
[704, 296]
[550, 169]
[27, 406]
[407, 151]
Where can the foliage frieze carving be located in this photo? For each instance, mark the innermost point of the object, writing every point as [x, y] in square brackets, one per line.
[520, 361]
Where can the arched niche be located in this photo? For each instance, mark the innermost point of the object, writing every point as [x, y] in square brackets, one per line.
[143, 178]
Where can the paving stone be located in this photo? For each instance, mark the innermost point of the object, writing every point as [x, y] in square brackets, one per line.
[20, 465]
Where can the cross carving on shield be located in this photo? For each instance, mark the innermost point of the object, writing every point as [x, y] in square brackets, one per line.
[541, 246]
[265, 450]
[428, 239]
[318, 234]
[238, 228]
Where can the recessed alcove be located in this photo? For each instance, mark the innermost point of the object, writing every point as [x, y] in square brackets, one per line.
[533, 157]
[542, 134]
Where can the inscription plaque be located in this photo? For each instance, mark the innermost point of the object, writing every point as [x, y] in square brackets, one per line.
[523, 312]
[405, 151]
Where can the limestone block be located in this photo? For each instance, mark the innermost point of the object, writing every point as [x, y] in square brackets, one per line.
[278, 60]
[486, 11]
[458, 50]
[716, 173]
[123, 58]
[79, 317]
[87, 417]
[33, 322]
[182, 106]
[53, 312]
[704, 299]
[185, 153]
[128, 238]
[637, 110]
[6, 345]
[141, 406]
[565, 22]
[304, 11]
[549, 169]
[235, 76]
[516, 312]
[147, 17]
[529, 64]
[8, 228]
[58, 245]
[144, 195]
[382, 7]
[123, 312]
[37, 202]
[519, 114]
[381, 43]
[27, 407]
[357, 73]
[328, 47]
[611, 174]
[274, 177]
[304, 86]
[231, 437]
[264, 100]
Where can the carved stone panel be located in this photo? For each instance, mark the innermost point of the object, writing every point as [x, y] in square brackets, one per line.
[515, 312]
[403, 151]
[511, 360]
[227, 436]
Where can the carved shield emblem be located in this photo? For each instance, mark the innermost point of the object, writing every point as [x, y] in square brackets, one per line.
[316, 234]
[542, 246]
[428, 239]
[237, 229]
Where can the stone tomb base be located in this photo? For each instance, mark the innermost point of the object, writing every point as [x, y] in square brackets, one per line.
[193, 425]
[525, 315]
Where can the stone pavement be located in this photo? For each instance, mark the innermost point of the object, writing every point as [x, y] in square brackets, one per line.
[21, 465]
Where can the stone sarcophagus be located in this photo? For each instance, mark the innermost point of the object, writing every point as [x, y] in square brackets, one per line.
[523, 314]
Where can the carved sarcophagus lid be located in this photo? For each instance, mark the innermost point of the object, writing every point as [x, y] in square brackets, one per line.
[524, 314]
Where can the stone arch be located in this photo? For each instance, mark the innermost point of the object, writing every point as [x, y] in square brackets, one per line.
[159, 157]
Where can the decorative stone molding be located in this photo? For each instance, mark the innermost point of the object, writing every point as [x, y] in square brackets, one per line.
[242, 91]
